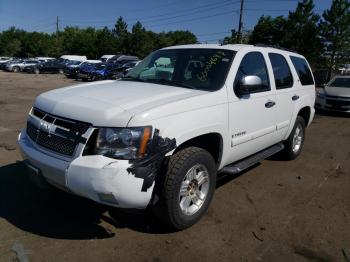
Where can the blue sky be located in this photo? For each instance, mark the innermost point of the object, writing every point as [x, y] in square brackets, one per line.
[210, 20]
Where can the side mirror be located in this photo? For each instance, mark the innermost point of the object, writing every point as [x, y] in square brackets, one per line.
[247, 85]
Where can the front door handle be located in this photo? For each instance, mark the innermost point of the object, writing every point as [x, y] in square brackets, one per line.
[295, 97]
[269, 104]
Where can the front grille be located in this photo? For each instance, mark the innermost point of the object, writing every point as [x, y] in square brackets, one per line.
[69, 131]
[338, 97]
[338, 103]
[50, 141]
[32, 131]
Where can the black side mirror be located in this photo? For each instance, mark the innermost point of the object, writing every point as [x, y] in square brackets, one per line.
[247, 85]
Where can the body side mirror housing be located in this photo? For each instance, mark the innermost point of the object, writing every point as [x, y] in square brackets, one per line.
[247, 85]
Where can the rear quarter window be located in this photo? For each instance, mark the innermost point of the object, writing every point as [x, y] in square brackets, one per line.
[303, 70]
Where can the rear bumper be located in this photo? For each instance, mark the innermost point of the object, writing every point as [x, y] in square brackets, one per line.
[99, 178]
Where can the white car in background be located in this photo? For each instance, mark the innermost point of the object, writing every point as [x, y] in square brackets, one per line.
[4, 59]
[44, 58]
[105, 58]
[345, 70]
[73, 57]
[335, 95]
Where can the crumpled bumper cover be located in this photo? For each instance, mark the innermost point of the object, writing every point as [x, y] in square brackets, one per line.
[99, 178]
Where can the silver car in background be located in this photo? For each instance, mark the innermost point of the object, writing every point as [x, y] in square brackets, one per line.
[18, 65]
[335, 96]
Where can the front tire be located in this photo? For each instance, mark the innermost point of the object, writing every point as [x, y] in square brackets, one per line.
[15, 69]
[295, 142]
[188, 188]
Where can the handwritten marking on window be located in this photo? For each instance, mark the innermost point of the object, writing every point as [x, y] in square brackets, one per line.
[209, 64]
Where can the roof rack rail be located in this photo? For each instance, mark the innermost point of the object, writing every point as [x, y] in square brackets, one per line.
[274, 46]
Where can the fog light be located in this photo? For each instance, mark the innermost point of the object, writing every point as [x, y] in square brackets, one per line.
[108, 198]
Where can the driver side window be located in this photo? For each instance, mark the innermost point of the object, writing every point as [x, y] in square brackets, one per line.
[253, 64]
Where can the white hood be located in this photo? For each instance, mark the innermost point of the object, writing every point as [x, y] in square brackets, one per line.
[109, 103]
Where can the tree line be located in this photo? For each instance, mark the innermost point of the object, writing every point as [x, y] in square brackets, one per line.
[324, 39]
[90, 41]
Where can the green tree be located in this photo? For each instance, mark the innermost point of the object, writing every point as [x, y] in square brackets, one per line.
[141, 41]
[79, 41]
[89, 41]
[268, 30]
[233, 39]
[105, 42]
[302, 32]
[335, 33]
[121, 34]
[179, 37]
[11, 42]
[12, 48]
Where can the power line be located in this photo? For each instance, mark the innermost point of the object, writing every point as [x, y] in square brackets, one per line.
[211, 40]
[178, 13]
[193, 19]
[141, 10]
[217, 33]
[184, 15]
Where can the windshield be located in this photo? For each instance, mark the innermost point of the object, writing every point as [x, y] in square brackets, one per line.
[100, 66]
[74, 62]
[203, 69]
[340, 82]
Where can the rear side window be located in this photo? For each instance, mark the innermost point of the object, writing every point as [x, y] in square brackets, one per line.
[303, 70]
[281, 71]
[253, 63]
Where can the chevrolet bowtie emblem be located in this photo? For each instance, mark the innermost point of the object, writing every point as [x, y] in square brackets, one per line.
[44, 126]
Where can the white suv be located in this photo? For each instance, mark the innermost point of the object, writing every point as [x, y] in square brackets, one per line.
[159, 136]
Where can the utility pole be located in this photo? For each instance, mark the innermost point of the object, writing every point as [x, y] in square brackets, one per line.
[57, 29]
[240, 25]
[57, 26]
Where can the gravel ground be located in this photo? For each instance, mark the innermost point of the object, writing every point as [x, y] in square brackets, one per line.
[276, 211]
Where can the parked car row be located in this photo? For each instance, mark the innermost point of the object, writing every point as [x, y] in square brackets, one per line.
[76, 67]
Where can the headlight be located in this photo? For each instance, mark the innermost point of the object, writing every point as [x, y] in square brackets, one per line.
[123, 143]
[320, 93]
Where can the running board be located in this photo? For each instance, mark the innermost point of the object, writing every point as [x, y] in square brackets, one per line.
[241, 165]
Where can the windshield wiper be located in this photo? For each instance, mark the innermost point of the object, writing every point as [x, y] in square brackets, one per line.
[170, 82]
[131, 78]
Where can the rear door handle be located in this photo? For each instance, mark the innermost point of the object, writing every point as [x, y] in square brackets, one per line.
[269, 104]
[295, 97]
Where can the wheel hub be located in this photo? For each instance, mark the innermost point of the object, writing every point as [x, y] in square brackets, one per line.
[297, 139]
[194, 189]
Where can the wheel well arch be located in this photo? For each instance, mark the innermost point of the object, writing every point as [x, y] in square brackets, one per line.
[305, 113]
[212, 142]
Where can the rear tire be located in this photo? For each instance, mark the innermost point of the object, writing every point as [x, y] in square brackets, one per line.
[15, 69]
[188, 188]
[60, 71]
[294, 144]
[36, 71]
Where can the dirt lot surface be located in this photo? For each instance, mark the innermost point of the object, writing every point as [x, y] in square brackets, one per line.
[277, 211]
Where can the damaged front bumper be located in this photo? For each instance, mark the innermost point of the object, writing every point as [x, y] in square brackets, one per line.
[102, 179]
